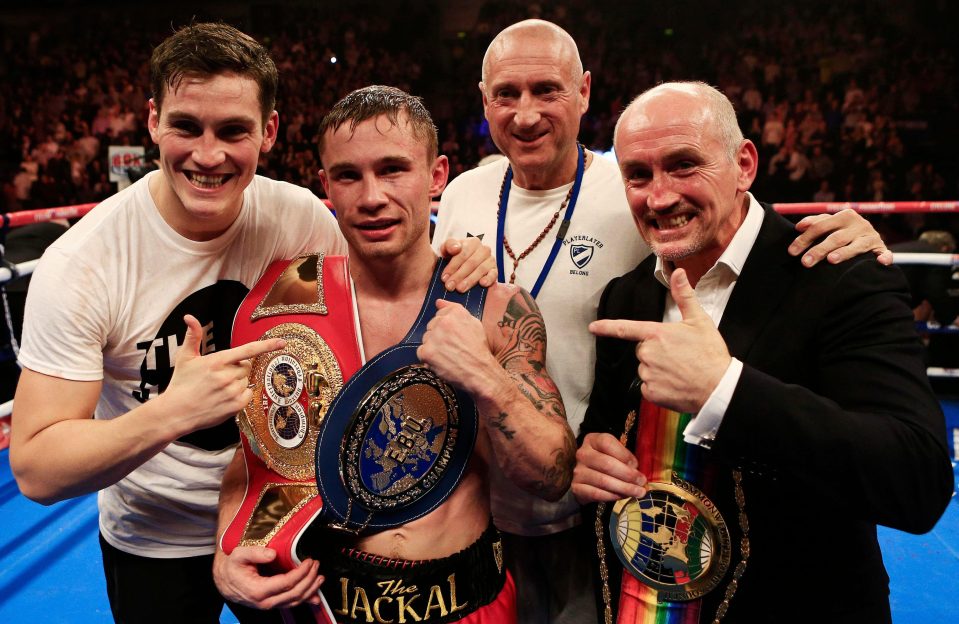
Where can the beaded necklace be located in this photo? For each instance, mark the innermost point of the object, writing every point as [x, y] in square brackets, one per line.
[569, 203]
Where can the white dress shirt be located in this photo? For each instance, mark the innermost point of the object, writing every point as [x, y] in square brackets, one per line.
[713, 291]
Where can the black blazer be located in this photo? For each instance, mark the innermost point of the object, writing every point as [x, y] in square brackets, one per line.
[833, 424]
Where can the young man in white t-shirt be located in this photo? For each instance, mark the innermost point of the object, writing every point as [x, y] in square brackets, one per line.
[128, 320]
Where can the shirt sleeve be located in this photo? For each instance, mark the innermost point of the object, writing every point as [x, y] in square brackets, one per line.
[702, 429]
[313, 229]
[443, 221]
[64, 320]
[328, 231]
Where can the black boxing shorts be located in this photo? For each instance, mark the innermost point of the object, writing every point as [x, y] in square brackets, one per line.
[471, 586]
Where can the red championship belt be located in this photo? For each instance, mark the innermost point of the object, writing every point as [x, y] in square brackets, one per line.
[308, 302]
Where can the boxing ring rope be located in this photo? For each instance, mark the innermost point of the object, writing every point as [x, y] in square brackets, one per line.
[42, 215]
[22, 217]
[934, 259]
[868, 207]
[13, 271]
[25, 217]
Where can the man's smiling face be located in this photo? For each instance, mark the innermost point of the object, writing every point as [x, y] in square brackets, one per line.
[210, 132]
[683, 184]
[533, 99]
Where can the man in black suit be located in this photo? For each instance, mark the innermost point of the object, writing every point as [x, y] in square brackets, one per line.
[805, 419]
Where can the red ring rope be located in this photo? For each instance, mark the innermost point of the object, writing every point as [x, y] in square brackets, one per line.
[868, 207]
[25, 217]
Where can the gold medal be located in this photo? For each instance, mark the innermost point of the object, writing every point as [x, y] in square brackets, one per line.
[674, 540]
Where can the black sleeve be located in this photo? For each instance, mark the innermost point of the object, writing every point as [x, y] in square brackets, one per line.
[863, 427]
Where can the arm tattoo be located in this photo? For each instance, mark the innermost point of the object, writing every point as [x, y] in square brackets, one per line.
[524, 355]
[524, 359]
[526, 343]
[499, 422]
[556, 478]
[547, 399]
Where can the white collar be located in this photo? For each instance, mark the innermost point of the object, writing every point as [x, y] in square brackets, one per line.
[735, 254]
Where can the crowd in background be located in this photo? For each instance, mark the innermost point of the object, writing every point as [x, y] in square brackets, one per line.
[846, 101]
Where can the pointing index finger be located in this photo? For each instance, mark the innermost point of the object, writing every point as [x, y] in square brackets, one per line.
[623, 329]
[251, 349]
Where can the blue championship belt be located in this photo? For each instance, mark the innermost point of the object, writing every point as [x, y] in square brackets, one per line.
[397, 438]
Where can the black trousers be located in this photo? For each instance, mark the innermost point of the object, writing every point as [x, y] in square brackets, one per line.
[146, 590]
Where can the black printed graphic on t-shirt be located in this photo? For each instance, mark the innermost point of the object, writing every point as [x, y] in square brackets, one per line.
[214, 307]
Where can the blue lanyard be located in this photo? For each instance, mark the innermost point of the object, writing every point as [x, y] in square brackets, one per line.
[564, 226]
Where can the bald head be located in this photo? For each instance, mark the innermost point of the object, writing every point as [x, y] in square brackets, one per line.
[699, 103]
[534, 93]
[540, 38]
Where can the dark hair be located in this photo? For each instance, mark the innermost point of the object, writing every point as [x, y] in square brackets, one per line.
[206, 50]
[374, 101]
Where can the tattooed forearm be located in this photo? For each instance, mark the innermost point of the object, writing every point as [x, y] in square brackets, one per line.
[558, 476]
[547, 399]
[542, 455]
[499, 422]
